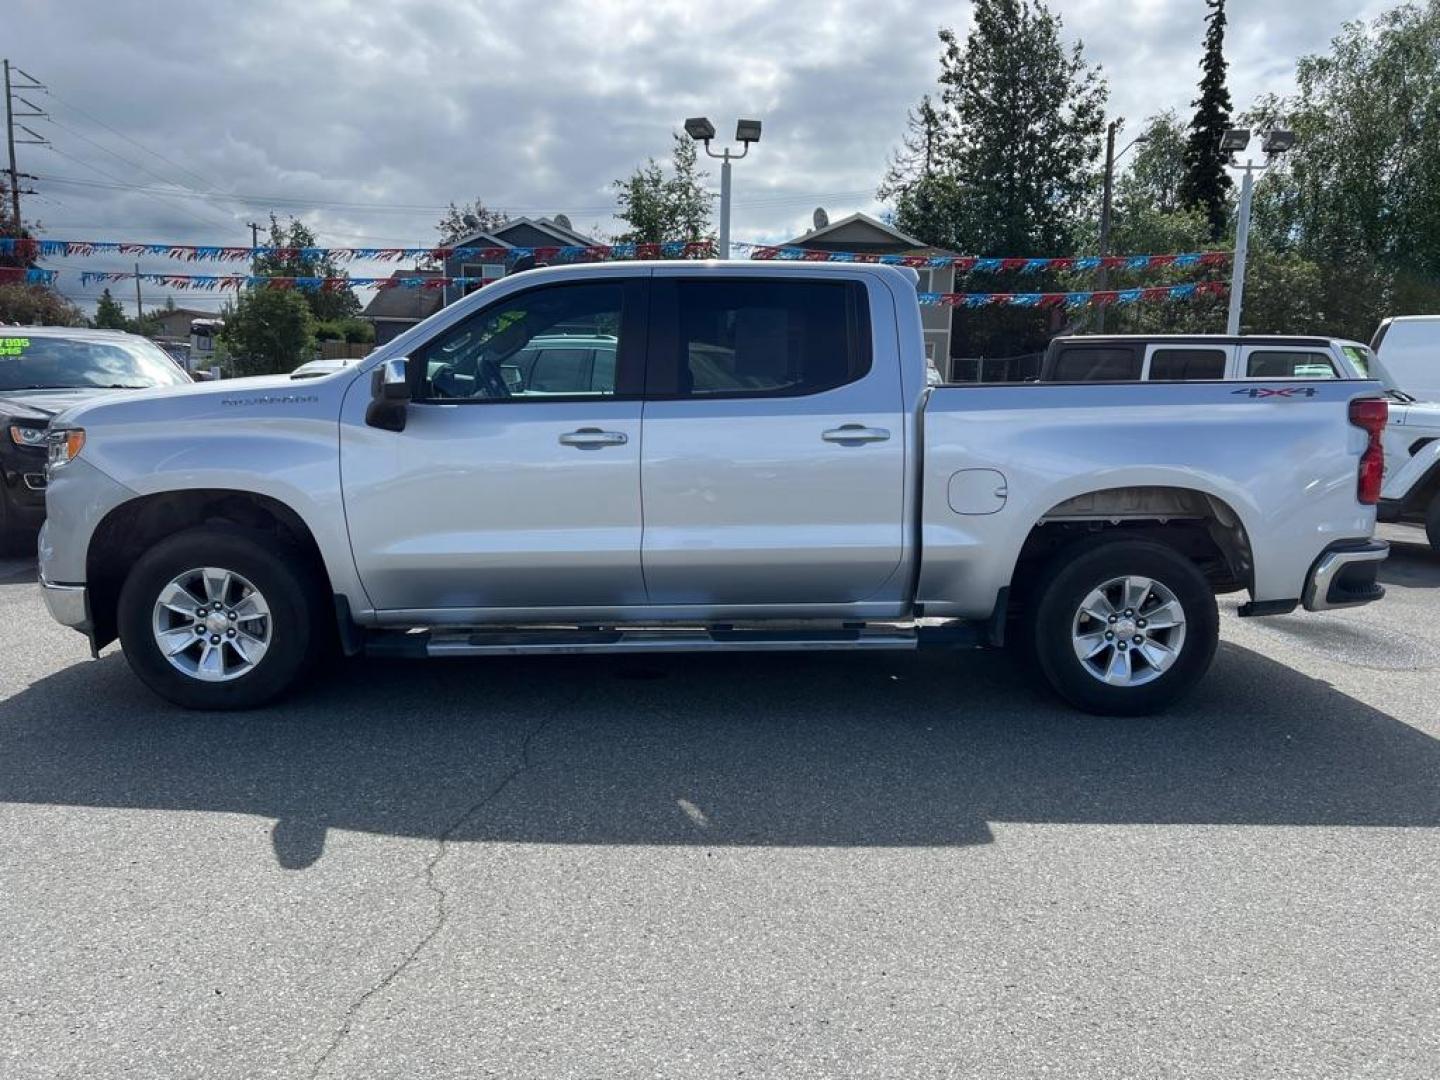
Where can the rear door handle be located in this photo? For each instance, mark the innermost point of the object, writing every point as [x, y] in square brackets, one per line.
[855, 434]
[588, 437]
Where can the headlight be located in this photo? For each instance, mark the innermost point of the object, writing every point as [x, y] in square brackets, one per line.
[27, 436]
[65, 445]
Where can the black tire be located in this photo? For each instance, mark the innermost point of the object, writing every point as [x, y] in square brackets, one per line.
[1064, 585]
[279, 573]
[1432, 524]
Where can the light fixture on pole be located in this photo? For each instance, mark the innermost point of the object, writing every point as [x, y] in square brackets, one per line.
[1111, 157]
[702, 130]
[1276, 142]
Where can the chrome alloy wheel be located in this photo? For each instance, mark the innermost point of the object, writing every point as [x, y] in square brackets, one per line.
[1129, 631]
[212, 624]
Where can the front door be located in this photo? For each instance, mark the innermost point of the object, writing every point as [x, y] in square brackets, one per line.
[773, 465]
[516, 482]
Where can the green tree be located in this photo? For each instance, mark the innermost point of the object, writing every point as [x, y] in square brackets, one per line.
[109, 315]
[295, 235]
[659, 206]
[460, 221]
[1207, 184]
[1013, 144]
[918, 180]
[1359, 196]
[1017, 134]
[37, 305]
[1156, 175]
[268, 331]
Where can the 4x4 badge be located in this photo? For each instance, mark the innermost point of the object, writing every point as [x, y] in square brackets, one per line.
[1277, 391]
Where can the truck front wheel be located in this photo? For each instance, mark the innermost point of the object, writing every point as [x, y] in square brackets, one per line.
[1123, 627]
[216, 618]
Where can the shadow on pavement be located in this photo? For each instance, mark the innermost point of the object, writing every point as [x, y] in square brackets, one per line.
[805, 749]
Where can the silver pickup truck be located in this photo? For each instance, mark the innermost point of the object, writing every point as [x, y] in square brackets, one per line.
[638, 457]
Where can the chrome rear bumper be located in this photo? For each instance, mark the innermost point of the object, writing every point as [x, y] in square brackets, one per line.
[1344, 576]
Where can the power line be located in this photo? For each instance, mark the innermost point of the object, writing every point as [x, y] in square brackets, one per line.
[147, 192]
[133, 142]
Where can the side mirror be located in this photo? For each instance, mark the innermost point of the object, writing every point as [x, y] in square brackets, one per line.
[389, 394]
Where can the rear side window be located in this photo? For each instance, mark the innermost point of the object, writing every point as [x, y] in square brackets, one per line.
[1178, 365]
[769, 338]
[1092, 363]
[1289, 364]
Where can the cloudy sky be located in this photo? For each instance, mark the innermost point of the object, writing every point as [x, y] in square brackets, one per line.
[184, 121]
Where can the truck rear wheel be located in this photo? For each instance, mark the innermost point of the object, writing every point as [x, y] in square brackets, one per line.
[217, 618]
[1123, 627]
[1432, 524]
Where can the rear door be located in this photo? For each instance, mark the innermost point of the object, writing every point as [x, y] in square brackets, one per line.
[773, 463]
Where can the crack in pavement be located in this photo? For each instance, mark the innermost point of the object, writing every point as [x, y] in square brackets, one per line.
[442, 914]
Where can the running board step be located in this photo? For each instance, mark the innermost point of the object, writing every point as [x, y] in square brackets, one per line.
[575, 642]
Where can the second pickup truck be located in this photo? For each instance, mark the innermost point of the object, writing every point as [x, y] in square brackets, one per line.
[699, 456]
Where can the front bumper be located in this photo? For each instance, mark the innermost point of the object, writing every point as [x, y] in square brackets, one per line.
[69, 605]
[1344, 575]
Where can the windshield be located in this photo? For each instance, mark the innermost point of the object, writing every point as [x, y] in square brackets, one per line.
[54, 363]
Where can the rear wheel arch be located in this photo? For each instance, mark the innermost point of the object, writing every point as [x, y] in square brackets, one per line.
[1197, 524]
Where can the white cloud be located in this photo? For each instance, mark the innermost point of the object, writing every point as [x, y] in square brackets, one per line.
[535, 106]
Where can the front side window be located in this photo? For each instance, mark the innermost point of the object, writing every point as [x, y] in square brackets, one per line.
[555, 341]
[1178, 365]
[1289, 364]
[43, 362]
[769, 337]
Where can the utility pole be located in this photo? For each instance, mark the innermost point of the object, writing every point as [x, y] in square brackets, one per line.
[1103, 280]
[1107, 203]
[254, 245]
[31, 83]
[10, 140]
[139, 312]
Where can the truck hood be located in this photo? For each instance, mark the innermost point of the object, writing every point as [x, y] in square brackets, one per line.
[202, 399]
[43, 404]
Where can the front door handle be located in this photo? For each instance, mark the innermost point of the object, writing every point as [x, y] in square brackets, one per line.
[855, 434]
[588, 437]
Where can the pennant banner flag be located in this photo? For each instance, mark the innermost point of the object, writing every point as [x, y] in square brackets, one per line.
[223, 282]
[213, 282]
[678, 249]
[40, 249]
[1104, 298]
[971, 264]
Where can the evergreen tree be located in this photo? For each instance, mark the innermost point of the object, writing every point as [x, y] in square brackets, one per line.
[1207, 185]
[660, 207]
[109, 315]
[1006, 162]
[295, 235]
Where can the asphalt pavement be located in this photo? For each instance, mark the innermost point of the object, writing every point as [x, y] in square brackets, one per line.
[730, 866]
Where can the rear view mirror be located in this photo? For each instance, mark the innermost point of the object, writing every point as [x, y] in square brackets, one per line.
[389, 394]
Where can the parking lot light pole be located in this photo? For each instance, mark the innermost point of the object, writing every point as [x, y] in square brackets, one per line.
[1276, 142]
[702, 130]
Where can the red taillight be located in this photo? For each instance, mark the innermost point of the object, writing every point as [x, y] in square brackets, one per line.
[1370, 414]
